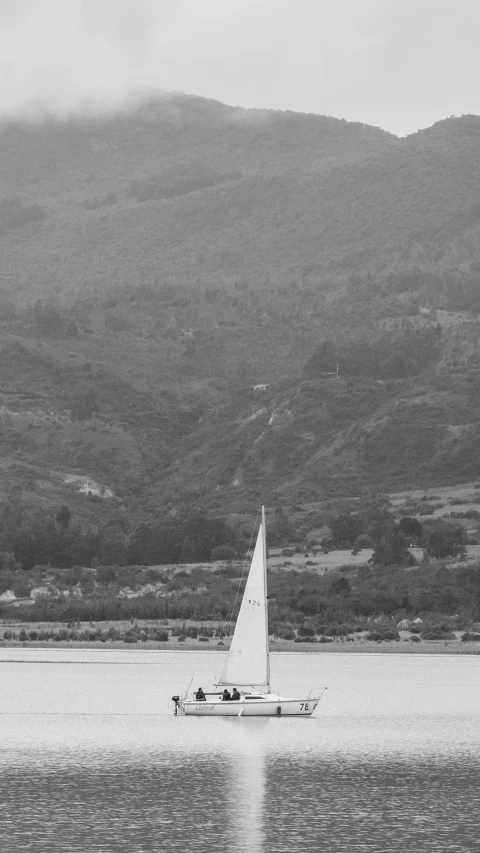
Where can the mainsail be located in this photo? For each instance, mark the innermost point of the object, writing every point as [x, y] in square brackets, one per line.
[248, 662]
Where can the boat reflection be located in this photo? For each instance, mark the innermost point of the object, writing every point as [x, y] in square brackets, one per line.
[247, 786]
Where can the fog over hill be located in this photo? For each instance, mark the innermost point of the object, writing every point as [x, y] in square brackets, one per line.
[160, 263]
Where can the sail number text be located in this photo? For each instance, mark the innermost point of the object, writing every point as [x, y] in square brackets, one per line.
[252, 601]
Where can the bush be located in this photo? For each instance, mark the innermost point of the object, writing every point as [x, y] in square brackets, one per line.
[285, 634]
[22, 587]
[62, 635]
[340, 630]
[325, 640]
[415, 639]
[181, 638]
[106, 574]
[437, 634]
[362, 541]
[14, 213]
[202, 639]
[381, 636]
[306, 631]
[468, 637]
[305, 640]
[112, 634]
[161, 636]
[223, 552]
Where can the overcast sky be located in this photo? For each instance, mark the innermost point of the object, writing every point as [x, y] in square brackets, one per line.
[398, 64]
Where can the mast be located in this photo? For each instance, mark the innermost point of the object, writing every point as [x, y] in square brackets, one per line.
[264, 531]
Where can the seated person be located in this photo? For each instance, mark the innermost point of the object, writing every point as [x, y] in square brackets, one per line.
[235, 694]
[226, 696]
[200, 695]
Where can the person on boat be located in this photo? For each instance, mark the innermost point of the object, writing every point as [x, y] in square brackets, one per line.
[226, 695]
[200, 695]
[235, 694]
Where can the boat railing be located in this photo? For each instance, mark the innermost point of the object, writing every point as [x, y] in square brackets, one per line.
[317, 692]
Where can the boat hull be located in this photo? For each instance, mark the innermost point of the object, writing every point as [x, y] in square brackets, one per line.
[276, 707]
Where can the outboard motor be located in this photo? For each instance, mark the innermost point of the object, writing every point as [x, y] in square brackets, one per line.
[176, 699]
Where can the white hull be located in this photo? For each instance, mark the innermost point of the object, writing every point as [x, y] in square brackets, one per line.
[273, 706]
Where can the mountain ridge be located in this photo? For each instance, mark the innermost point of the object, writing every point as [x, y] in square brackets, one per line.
[158, 265]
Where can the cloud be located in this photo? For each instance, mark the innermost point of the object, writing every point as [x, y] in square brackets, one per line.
[399, 64]
[65, 55]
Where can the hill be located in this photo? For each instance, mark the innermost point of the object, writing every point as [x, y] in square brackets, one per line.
[159, 264]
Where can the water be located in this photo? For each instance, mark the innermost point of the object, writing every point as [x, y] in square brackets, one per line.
[92, 759]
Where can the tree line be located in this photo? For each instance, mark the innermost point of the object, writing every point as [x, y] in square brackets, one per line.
[393, 355]
[376, 528]
[348, 597]
[32, 538]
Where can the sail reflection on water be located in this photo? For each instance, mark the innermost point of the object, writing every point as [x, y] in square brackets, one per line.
[247, 785]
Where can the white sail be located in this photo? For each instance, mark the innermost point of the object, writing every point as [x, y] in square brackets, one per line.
[248, 662]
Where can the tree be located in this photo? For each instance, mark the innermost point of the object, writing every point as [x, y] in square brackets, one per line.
[324, 359]
[14, 213]
[48, 320]
[396, 366]
[8, 562]
[392, 550]
[280, 532]
[340, 586]
[411, 527]
[380, 522]
[445, 540]
[346, 529]
[84, 402]
[139, 549]
[112, 549]
[63, 516]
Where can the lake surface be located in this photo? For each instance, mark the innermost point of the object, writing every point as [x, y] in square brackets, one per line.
[92, 759]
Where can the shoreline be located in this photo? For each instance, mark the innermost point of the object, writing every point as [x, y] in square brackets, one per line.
[428, 647]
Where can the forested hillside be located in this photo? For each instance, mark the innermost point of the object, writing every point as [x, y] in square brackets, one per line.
[158, 265]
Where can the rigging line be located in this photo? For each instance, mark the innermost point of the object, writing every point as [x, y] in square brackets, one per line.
[243, 572]
[188, 688]
[235, 601]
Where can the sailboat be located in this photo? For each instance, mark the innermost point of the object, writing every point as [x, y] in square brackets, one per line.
[247, 665]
